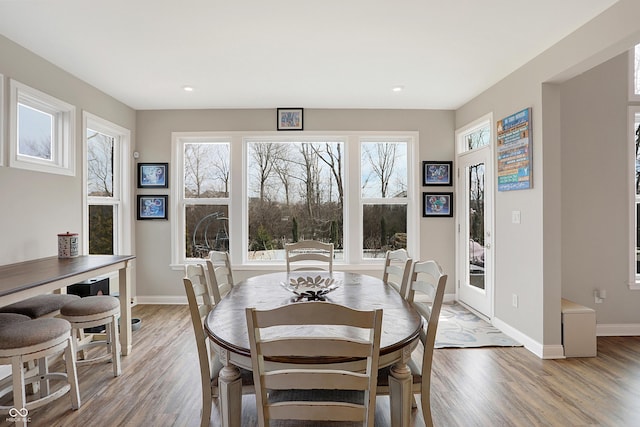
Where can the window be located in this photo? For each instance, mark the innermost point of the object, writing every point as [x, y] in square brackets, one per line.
[289, 188]
[634, 144]
[384, 182]
[201, 194]
[634, 73]
[42, 132]
[107, 217]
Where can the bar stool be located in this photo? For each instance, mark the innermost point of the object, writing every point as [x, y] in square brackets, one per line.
[41, 305]
[93, 311]
[23, 341]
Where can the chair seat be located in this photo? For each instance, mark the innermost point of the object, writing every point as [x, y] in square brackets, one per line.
[40, 305]
[9, 318]
[37, 333]
[89, 306]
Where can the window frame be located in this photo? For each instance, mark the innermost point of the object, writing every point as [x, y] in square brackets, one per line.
[121, 200]
[63, 135]
[633, 96]
[237, 201]
[634, 199]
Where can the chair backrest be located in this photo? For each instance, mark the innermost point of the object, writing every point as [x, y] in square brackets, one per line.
[200, 304]
[309, 250]
[220, 274]
[397, 265]
[341, 336]
[427, 278]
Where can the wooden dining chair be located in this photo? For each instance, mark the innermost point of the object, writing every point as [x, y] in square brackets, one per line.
[220, 274]
[336, 331]
[200, 304]
[309, 250]
[427, 278]
[396, 270]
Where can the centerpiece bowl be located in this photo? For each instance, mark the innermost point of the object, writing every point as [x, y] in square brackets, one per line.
[312, 288]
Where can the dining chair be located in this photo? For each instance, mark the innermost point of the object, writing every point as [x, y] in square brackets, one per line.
[426, 278]
[309, 250]
[312, 330]
[396, 270]
[200, 304]
[220, 274]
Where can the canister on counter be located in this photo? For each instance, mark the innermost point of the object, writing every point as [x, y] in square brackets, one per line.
[67, 245]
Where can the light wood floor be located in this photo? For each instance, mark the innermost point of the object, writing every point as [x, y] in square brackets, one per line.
[159, 385]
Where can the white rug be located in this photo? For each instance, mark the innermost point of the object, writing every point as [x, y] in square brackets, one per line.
[460, 328]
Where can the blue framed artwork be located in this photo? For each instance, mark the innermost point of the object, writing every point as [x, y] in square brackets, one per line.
[153, 175]
[290, 119]
[152, 206]
[437, 173]
[437, 204]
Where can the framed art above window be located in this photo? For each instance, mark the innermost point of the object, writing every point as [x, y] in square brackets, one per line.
[290, 119]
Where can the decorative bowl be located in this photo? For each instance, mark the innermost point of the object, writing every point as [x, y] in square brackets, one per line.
[312, 288]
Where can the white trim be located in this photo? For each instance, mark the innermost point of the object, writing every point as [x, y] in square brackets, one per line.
[618, 330]
[542, 351]
[633, 282]
[63, 153]
[633, 96]
[237, 201]
[123, 224]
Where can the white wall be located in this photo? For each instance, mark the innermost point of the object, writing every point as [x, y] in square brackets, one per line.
[37, 206]
[529, 256]
[157, 282]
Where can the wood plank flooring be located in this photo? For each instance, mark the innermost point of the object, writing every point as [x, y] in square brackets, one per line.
[159, 385]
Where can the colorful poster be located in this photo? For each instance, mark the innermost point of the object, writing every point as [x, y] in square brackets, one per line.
[514, 151]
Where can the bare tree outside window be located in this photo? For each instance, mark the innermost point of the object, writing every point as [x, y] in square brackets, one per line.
[295, 192]
[100, 158]
[35, 132]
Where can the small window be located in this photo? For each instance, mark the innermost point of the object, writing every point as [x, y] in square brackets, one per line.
[42, 132]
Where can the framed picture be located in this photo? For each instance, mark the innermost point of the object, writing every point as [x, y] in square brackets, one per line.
[153, 175]
[437, 173]
[290, 119]
[437, 204]
[152, 207]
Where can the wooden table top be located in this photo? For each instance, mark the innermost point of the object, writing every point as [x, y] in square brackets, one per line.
[226, 324]
[31, 274]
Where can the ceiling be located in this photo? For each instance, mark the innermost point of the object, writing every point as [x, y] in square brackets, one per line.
[276, 53]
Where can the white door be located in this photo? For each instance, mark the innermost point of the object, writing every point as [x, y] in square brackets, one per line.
[474, 193]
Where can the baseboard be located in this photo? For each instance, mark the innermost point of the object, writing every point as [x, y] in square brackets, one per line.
[617, 329]
[162, 300]
[540, 350]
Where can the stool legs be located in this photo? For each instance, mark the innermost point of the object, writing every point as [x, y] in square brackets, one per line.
[114, 345]
[70, 361]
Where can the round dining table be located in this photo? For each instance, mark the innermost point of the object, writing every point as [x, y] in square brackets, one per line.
[226, 327]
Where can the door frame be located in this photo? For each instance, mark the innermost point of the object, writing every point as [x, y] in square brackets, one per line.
[490, 190]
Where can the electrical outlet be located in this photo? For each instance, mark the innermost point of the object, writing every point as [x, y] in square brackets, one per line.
[514, 300]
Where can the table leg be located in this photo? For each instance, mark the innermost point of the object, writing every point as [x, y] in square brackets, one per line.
[124, 280]
[400, 395]
[230, 392]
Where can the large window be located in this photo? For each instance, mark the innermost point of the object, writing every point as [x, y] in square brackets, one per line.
[107, 219]
[288, 189]
[42, 131]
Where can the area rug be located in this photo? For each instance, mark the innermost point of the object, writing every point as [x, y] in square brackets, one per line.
[458, 327]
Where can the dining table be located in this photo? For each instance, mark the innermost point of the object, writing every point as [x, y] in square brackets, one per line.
[226, 327]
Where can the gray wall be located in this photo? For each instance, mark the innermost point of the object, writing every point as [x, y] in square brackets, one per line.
[37, 206]
[595, 192]
[157, 282]
[529, 256]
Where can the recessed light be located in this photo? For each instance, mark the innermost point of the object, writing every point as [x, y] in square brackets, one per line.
[187, 88]
[398, 88]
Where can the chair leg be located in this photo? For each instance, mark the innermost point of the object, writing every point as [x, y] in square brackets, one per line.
[43, 370]
[72, 377]
[19, 395]
[114, 339]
